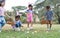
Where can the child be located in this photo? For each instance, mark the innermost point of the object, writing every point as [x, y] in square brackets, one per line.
[49, 15]
[2, 19]
[30, 16]
[17, 23]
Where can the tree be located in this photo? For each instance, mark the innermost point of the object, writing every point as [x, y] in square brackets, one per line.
[41, 8]
[19, 7]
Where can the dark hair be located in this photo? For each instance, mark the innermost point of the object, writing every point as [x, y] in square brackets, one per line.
[30, 5]
[17, 16]
[47, 7]
[0, 4]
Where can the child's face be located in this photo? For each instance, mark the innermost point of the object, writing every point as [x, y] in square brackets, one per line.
[17, 19]
[3, 4]
[30, 8]
[47, 9]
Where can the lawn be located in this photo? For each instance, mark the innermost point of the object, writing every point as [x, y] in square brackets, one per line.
[39, 31]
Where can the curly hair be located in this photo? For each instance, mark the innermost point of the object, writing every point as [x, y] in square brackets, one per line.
[30, 5]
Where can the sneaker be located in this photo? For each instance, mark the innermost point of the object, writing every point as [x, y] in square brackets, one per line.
[17, 29]
[31, 28]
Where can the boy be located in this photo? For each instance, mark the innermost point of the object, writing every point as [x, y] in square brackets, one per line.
[30, 16]
[2, 14]
[17, 23]
[49, 16]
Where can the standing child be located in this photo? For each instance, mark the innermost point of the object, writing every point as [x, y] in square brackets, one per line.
[49, 16]
[30, 16]
[2, 14]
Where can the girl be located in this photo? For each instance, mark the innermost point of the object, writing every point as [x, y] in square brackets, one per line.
[29, 16]
[2, 14]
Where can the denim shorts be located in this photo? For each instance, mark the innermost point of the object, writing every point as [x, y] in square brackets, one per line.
[18, 25]
[2, 21]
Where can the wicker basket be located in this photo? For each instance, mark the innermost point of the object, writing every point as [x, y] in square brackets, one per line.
[44, 22]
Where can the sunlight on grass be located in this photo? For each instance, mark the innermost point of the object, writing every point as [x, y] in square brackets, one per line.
[39, 31]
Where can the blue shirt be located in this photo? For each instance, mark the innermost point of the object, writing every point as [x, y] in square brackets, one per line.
[18, 23]
[49, 15]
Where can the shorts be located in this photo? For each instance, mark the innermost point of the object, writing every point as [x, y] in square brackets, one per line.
[2, 21]
[18, 25]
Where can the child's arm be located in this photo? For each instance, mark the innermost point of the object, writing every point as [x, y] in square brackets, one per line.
[7, 15]
[52, 13]
[43, 17]
[21, 24]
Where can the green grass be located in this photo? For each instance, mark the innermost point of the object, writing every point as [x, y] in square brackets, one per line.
[39, 31]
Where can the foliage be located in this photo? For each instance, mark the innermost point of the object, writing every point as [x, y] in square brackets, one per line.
[19, 7]
[50, 3]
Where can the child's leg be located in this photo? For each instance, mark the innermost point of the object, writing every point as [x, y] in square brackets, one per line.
[3, 21]
[3, 24]
[31, 27]
[28, 25]
[28, 22]
[31, 21]
[50, 22]
[47, 24]
[16, 28]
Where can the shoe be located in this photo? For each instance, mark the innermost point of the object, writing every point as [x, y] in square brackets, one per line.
[17, 29]
[31, 28]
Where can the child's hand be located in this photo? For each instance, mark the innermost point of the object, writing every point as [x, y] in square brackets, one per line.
[21, 26]
[43, 17]
[33, 14]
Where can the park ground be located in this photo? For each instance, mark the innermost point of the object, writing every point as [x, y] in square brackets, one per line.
[39, 31]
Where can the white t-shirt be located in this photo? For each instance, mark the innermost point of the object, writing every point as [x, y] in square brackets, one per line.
[2, 11]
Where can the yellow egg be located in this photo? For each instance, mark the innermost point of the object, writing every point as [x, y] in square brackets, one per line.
[35, 31]
[32, 32]
[27, 31]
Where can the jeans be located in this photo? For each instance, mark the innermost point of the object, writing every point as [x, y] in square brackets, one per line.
[2, 22]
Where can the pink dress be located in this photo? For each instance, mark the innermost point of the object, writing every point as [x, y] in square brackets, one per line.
[29, 15]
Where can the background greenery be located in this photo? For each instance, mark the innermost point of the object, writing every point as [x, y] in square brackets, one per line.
[39, 10]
